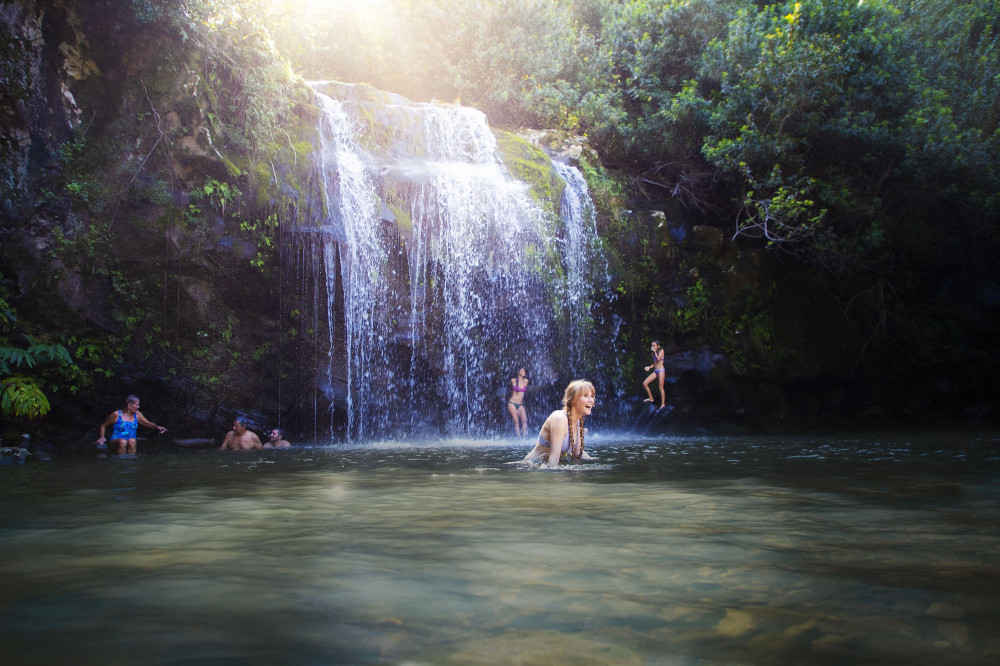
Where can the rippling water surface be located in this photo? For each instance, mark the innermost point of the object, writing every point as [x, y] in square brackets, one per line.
[823, 550]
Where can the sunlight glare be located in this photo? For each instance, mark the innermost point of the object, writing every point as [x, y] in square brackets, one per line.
[371, 14]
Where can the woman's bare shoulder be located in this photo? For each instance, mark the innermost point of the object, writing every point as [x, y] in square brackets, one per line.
[558, 415]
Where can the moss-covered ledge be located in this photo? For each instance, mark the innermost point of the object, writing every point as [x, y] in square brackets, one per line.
[528, 163]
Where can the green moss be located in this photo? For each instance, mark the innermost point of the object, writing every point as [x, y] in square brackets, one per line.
[358, 92]
[264, 176]
[607, 189]
[375, 136]
[403, 220]
[530, 164]
[293, 183]
[231, 168]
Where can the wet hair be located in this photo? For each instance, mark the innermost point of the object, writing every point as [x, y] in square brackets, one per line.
[242, 420]
[573, 391]
[656, 342]
[131, 398]
[281, 433]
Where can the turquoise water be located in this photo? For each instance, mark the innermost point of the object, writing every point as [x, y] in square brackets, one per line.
[791, 550]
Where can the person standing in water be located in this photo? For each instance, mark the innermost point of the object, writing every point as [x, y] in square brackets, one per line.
[240, 438]
[126, 422]
[277, 440]
[515, 403]
[657, 373]
[563, 432]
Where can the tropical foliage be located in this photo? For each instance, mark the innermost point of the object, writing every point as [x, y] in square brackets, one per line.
[21, 395]
[861, 138]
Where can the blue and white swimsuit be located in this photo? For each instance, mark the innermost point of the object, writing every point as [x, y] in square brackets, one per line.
[125, 429]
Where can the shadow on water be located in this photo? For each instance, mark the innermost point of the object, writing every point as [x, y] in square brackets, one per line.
[690, 550]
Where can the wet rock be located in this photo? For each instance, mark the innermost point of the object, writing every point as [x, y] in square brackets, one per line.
[706, 360]
[196, 442]
[13, 455]
[708, 239]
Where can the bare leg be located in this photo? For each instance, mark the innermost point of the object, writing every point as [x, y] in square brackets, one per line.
[512, 410]
[663, 396]
[645, 384]
[523, 419]
[131, 447]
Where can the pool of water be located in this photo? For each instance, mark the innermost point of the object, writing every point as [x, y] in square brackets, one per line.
[789, 550]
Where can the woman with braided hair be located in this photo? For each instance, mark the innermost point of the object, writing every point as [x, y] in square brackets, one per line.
[566, 426]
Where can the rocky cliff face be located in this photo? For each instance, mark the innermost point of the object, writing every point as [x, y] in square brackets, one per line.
[147, 171]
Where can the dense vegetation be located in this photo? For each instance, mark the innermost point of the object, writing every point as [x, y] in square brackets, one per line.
[157, 202]
[859, 140]
[853, 145]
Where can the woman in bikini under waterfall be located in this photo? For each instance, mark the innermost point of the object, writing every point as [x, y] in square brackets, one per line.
[565, 426]
[515, 403]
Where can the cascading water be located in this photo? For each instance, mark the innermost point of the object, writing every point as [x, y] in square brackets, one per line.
[452, 274]
[587, 277]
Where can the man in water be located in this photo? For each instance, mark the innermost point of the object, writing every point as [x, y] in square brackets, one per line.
[239, 438]
[277, 440]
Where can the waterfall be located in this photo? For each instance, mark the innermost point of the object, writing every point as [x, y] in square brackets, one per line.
[587, 276]
[452, 274]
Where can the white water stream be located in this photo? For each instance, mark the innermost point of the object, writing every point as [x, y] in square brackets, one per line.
[452, 274]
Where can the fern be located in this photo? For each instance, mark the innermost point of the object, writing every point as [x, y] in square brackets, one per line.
[22, 398]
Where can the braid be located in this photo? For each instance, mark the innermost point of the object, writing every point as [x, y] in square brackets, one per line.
[573, 391]
[569, 430]
[572, 432]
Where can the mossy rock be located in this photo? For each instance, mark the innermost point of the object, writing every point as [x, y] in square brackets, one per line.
[607, 188]
[404, 223]
[530, 164]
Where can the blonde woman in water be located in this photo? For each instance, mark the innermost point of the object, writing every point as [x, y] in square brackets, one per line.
[565, 426]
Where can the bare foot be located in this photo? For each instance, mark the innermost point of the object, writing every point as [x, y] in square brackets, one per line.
[648, 400]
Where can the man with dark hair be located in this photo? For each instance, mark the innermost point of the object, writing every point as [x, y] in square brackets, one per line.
[239, 438]
[277, 440]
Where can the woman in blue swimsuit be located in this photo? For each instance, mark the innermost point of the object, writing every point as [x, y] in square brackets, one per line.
[126, 422]
[515, 403]
[566, 426]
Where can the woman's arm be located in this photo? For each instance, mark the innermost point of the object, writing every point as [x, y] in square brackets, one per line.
[104, 424]
[557, 432]
[149, 424]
